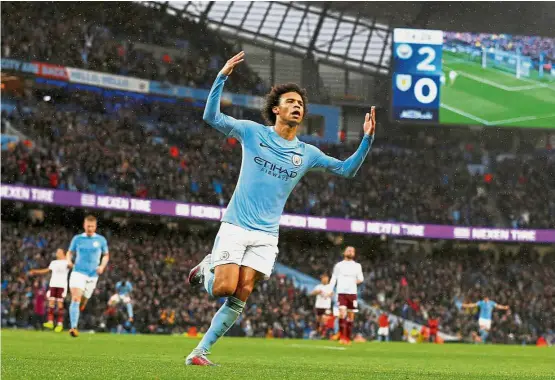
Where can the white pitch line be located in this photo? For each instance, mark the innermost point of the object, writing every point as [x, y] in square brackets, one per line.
[465, 114]
[523, 118]
[320, 347]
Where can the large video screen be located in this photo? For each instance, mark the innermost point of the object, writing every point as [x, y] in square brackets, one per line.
[473, 79]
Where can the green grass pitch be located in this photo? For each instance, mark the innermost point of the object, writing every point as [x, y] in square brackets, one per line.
[487, 96]
[45, 355]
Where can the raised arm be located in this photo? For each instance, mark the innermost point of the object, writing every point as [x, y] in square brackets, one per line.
[212, 115]
[501, 307]
[469, 305]
[33, 272]
[351, 165]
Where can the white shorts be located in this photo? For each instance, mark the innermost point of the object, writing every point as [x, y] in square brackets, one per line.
[116, 299]
[484, 323]
[383, 331]
[82, 281]
[253, 249]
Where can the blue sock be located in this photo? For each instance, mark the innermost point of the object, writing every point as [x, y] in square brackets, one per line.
[129, 310]
[74, 314]
[209, 281]
[484, 335]
[222, 321]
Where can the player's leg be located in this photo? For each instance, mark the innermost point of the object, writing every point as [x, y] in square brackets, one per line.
[77, 283]
[129, 307]
[49, 324]
[60, 315]
[83, 303]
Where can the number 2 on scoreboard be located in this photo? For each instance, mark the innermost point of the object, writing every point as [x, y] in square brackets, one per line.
[425, 64]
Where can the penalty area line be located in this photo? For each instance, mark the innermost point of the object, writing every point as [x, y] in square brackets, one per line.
[319, 347]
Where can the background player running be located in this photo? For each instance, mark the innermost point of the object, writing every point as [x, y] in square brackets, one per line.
[274, 161]
[347, 275]
[57, 289]
[123, 295]
[322, 306]
[89, 247]
[486, 312]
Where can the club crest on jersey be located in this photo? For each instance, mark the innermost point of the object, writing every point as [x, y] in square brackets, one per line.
[224, 255]
[404, 81]
[96, 244]
[297, 160]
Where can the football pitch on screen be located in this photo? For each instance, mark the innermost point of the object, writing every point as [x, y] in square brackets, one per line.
[493, 97]
[46, 355]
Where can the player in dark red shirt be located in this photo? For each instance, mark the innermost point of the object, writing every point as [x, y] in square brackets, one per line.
[433, 325]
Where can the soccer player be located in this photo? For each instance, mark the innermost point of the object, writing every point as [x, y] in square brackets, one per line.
[90, 247]
[486, 311]
[383, 328]
[322, 306]
[274, 161]
[347, 275]
[123, 290]
[57, 289]
[433, 325]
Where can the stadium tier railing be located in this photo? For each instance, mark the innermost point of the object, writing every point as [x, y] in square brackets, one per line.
[316, 223]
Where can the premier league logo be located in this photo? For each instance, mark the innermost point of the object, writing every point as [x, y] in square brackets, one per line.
[403, 82]
[297, 160]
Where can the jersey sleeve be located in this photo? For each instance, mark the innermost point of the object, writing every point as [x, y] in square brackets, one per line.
[223, 123]
[104, 246]
[73, 245]
[334, 275]
[480, 304]
[52, 266]
[347, 168]
[360, 275]
[493, 304]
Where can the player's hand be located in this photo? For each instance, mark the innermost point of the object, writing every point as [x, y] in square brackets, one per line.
[100, 270]
[369, 125]
[232, 62]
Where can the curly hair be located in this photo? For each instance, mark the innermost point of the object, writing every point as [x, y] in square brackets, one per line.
[272, 100]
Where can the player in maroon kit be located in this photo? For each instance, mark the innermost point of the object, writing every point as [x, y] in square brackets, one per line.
[347, 275]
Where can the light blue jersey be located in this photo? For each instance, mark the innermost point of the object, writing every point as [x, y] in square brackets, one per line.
[271, 166]
[124, 288]
[486, 309]
[89, 249]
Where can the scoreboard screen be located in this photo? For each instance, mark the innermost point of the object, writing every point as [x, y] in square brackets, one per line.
[461, 78]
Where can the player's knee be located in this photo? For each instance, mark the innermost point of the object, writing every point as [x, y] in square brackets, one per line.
[244, 290]
[223, 288]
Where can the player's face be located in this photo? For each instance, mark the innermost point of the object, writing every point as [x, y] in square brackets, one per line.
[60, 254]
[290, 109]
[349, 253]
[90, 227]
[325, 279]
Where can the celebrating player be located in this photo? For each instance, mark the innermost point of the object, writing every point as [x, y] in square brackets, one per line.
[57, 289]
[486, 311]
[123, 290]
[89, 247]
[322, 306]
[347, 275]
[274, 161]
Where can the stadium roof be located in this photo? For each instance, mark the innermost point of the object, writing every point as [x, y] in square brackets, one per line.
[303, 28]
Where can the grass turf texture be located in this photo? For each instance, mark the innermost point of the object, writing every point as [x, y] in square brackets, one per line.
[46, 355]
[494, 97]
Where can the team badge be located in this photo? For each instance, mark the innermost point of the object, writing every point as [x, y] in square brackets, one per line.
[224, 255]
[96, 244]
[404, 81]
[404, 51]
[297, 160]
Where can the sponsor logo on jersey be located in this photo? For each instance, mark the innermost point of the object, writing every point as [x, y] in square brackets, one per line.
[275, 170]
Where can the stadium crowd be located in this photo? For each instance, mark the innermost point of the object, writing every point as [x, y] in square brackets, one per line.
[407, 284]
[116, 39]
[81, 141]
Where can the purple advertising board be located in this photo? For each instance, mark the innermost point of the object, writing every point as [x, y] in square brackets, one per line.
[207, 212]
